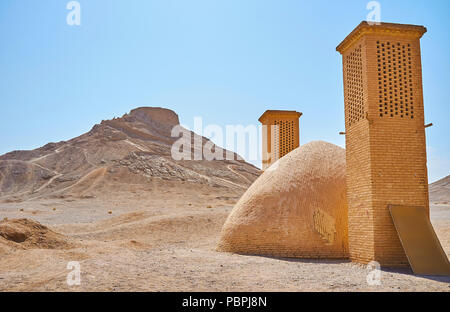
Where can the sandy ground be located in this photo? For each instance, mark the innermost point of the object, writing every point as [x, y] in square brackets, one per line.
[147, 242]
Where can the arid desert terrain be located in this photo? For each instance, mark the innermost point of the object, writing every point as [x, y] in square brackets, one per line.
[136, 220]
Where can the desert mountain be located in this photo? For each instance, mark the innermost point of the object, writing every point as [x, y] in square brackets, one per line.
[132, 150]
[440, 190]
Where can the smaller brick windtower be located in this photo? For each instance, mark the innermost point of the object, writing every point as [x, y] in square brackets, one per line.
[385, 136]
[280, 134]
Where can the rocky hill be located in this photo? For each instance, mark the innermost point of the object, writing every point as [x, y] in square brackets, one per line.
[133, 149]
[440, 190]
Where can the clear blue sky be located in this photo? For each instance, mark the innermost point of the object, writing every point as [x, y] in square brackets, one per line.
[225, 60]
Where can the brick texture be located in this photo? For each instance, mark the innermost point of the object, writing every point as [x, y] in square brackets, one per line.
[280, 134]
[385, 136]
[298, 209]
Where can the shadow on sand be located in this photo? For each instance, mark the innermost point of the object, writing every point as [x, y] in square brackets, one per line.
[400, 270]
[302, 260]
[409, 271]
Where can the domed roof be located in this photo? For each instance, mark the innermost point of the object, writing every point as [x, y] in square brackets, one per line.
[296, 208]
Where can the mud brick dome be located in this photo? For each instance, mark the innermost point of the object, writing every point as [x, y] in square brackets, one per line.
[296, 208]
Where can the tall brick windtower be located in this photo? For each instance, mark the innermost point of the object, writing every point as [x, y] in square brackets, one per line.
[280, 134]
[385, 135]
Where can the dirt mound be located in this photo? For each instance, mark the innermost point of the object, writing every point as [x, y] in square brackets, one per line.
[296, 208]
[29, 234]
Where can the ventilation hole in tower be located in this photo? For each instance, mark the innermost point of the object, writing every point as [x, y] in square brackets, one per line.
[395, 89]
[355, 91]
